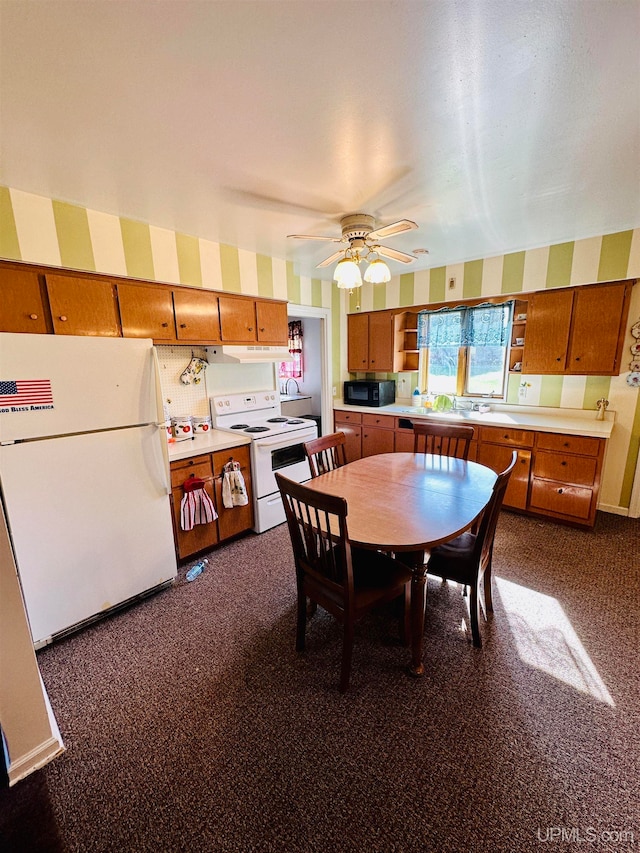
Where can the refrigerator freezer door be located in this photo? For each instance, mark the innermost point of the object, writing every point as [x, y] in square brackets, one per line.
[96, 383]
[90, 521]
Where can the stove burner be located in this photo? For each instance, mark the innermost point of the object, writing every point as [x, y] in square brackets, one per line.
[277, 421]
[294, 421]
[238, 426]
[257, 429]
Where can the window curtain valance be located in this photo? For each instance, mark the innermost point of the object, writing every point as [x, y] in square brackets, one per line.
[478, 326]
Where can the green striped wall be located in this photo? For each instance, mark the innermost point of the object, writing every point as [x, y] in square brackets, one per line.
[36, 229]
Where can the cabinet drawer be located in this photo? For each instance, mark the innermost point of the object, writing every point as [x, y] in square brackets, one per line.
[382, 421]
[348, 417]
[565, 468]
[568, 443]
[197, 466]
[565, 500]
[507, 435]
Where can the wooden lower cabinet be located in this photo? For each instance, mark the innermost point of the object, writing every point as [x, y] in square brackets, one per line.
[556, 475]
[350, 423]
[202, 535]
[230, 522]
[233, 521]
[378, 434]
[566, 477]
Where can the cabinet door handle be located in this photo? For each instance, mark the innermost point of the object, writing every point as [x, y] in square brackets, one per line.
[33, 316]
[558, 358]
[164, 325]
[262, 328]
[63, 318]
[564, 462]
[505, 436]
[183, 325]
[577, 358]
[566, 444]
[560, 491]
[250, 328]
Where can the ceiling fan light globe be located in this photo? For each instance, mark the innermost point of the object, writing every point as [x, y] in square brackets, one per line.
[377, 272]
[347, 274]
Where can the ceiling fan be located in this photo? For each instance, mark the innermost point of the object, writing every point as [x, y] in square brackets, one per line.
[359, 231]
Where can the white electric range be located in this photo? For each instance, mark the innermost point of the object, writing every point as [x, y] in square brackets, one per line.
[276, 445]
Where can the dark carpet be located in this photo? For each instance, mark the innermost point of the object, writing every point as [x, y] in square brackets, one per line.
[191, 724]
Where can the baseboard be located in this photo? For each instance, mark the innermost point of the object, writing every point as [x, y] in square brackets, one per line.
[34, 759]
[614, 510]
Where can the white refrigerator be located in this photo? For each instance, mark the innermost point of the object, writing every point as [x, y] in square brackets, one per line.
[84, 475]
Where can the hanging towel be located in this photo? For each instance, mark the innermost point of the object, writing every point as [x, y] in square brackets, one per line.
[196, 506]
[234, 491]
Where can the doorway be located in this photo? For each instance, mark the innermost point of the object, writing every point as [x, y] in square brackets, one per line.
[316, 380]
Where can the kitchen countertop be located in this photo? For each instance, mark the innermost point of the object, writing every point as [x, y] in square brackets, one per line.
[205, 443]
[291, 398]
[567, 421]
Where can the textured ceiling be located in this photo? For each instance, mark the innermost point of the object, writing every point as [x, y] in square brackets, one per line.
[496, 126]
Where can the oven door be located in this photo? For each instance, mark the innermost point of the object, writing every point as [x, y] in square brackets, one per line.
[283, 453]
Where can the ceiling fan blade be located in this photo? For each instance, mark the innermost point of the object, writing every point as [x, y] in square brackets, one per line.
[331, 259]
[312, 237]
[394, 254]
[395, 228]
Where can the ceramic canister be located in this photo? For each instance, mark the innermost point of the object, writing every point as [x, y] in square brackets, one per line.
[182, 425]
[202, 424]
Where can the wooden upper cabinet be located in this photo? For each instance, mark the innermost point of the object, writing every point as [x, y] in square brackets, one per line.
[577, 331]
[358, 351]
[237, 319]
[146, 312]
[83, 306]
[548, 327]
[21, 303]
[598, 326]
[381, 341]
[273, 323]
[370, 345]
[196, 313]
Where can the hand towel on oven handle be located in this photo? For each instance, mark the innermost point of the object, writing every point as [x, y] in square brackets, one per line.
[234, 491]
[196, 506]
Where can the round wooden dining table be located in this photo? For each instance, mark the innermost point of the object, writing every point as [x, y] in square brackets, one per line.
[408, 503]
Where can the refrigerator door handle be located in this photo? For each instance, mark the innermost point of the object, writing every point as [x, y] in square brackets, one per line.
[161, 425]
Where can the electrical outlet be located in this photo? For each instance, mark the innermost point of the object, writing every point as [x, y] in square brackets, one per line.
[452, 282]
[335, 391]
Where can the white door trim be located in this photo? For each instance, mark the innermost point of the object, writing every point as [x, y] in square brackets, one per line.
[326, 377]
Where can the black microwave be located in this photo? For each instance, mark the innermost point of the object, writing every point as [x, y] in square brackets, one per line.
[365, 392]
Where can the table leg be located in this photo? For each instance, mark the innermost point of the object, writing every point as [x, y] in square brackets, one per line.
[415, 560]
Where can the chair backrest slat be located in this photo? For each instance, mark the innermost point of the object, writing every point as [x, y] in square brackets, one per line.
[318, 529]
[489, 521]
[326, 453]
[442, 439]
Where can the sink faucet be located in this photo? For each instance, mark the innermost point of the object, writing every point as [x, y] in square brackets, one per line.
[286, 387]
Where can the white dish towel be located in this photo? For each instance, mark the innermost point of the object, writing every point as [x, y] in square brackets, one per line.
[234, 491]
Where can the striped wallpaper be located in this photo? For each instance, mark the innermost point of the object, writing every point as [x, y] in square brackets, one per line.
[36, 229]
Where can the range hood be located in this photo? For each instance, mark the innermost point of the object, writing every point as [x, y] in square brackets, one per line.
[249, 354]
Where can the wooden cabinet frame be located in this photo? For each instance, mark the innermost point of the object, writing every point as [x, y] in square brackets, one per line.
[45, 300]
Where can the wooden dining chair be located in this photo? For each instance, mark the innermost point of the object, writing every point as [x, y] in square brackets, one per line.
[442, 439]
[326, 453]
[467, 558]
[346, 583]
